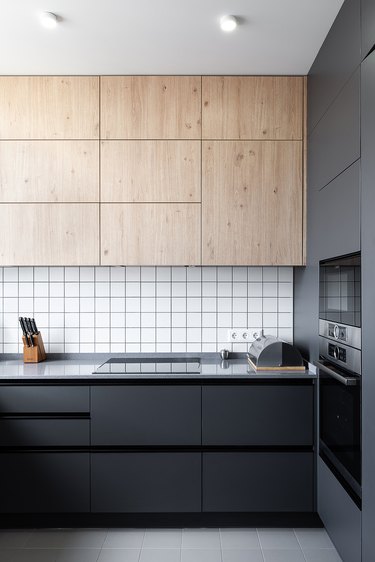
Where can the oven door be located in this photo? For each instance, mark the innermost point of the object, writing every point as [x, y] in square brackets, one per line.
[340, 425]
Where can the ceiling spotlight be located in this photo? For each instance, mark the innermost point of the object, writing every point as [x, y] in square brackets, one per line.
[228, 23]
[48, 20]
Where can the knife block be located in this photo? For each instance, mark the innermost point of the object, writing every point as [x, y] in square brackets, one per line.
[34, 354]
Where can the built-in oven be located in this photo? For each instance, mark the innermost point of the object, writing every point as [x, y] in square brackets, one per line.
[340, 425]
[339, 369]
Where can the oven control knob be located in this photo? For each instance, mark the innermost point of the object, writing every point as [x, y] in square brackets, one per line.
[336, 352]
[336, 331]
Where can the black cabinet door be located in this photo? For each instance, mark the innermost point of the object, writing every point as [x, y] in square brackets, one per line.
[340, 515]
[368, 26]
[45, 482]
[257, 415]
[338, 210]
[31, 432]
[146, 482]
[145, 415]
[40, 399]
[334, 144]
[336, 61]
[263, 482]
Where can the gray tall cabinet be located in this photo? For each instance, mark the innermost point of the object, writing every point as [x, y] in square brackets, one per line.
[341, 220]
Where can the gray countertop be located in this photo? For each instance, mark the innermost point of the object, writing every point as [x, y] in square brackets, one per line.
[81, 367]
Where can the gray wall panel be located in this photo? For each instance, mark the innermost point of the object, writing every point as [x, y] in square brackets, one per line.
[368, 308]
[368, 26]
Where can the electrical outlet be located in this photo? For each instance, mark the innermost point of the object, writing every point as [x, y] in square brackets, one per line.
[240, 335]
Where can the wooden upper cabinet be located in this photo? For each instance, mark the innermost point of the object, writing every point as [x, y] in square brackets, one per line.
[49, 107]
[252, 107]
[150, 171]
[52, 234]
[252, 203]
[150, 107]
[49, 171]
[150, 234]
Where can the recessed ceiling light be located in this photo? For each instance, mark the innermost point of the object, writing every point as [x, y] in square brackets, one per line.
[228, 23]
[48, 20]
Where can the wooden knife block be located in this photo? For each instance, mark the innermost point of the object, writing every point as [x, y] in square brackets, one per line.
[34, 354]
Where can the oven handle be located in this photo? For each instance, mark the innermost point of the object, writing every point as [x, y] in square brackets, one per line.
[347, 381]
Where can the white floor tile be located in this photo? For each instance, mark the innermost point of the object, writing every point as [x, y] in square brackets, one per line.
[16, 539]
[242, 555]
[78, 555]
[162, 538]
[28, 555]
[201, 538]
[278, 538]
[124, 539]
[322, 555]
[66, 539]
[47, 539]
[239, 538]
[313, 538]
[283, 555]
[160, 555]
[200, 555]
[119, 555]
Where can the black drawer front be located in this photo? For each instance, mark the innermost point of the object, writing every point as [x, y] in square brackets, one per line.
[145, 482]
[44, 433]
[257, 482]
[44, 399]
[145, 416]
[45, 482]
[259, 415]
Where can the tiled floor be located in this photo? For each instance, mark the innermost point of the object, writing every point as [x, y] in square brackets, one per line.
[174, 545]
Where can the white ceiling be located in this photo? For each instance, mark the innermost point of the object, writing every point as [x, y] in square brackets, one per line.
[163, 36]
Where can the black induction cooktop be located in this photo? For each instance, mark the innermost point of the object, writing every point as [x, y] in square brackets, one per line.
[149, 366]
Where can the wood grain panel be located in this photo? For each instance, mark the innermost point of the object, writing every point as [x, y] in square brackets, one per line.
[150, 107]
[49, 107]
[252, 203]
[150, 234]
[151, 171]
[49, 234]
[49, 171]
[252, 107]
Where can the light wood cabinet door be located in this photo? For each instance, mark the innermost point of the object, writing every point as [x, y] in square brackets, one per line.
[49, 234]
[150, 171]
[49, 107]
[150, 234]
[150, 107]
[252, 107]
[252, 203]
[49, 171]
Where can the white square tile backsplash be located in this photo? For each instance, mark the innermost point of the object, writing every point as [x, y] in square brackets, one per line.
[149, 309]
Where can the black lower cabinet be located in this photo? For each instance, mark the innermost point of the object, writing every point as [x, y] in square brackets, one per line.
[340, 515]
[44, 482]
[258, 482]
[147, 482]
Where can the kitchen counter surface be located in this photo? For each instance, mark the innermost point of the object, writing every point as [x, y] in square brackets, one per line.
[81, 367]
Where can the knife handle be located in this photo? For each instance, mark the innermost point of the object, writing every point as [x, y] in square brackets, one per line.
[24, 331]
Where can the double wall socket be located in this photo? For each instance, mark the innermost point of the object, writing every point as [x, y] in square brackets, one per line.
[241, 335]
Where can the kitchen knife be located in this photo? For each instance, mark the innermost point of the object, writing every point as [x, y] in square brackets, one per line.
[30, 330]
[34, 327]
[24, 331]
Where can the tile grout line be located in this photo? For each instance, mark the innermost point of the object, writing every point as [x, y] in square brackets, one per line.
[303, 554]
[257, 531]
